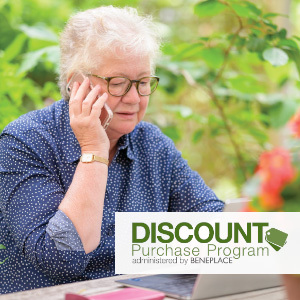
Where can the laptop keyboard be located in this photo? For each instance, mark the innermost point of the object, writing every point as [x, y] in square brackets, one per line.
[175, 284]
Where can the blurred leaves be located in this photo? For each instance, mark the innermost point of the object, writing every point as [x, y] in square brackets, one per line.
[281, 112]
[181, 110]
[31, 59]
[172, 132]
[275, 56]
[227, 74]
[246, 9]
[40, 32]
[208, 8]
[214, 57]
[256, 44]
[197, 135]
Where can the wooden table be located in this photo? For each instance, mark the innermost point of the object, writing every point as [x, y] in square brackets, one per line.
[93, 287]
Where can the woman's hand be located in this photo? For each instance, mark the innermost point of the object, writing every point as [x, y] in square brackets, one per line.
[84, 200]
[85, 109]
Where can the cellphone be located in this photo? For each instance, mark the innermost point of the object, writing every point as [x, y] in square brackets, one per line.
[106, 113]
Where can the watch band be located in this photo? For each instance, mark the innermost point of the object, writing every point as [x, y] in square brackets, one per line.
[90, 157]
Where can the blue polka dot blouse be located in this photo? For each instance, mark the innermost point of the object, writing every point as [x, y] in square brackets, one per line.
[38, 157]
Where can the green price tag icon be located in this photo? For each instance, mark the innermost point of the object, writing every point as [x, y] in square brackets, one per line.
[276, 238]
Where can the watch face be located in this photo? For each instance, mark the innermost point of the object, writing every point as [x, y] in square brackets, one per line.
[87, 157]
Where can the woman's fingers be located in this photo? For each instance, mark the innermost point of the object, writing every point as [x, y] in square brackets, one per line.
[73, 105]
[78, 95]
[98, 106]
[88, 102]
[85, 110]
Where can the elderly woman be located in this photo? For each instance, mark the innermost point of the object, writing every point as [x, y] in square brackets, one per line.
[58, 204]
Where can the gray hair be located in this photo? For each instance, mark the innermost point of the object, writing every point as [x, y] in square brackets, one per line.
[92, 34]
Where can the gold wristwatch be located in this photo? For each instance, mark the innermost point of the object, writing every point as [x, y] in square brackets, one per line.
[90, 157]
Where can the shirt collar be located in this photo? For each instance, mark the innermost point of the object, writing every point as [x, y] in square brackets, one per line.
[126, 142]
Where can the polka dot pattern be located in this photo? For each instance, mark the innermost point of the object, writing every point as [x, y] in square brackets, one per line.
[38, 157]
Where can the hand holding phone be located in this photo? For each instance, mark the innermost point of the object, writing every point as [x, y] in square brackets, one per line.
[88, 117]
[106, 113]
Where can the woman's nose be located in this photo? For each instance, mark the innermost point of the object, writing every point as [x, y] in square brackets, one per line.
[132, 96]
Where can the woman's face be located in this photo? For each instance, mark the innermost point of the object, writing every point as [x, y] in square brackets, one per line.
[129, 109]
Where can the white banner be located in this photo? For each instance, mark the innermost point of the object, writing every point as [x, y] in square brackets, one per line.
[207, 243]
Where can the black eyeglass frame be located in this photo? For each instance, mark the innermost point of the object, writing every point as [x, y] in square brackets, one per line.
[108, 79]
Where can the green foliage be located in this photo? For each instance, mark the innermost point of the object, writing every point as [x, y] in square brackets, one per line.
[242, 74]
[209, 8]
[291, 195]
[28, 62]
[275, 56]
[2, 247]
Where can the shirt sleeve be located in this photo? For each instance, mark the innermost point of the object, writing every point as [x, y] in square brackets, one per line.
[63, 232]
[189, 191]
[30, 194]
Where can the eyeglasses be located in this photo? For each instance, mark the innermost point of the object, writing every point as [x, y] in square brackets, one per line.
[118, 86]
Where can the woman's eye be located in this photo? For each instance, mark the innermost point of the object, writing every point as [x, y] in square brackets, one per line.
[116, 84]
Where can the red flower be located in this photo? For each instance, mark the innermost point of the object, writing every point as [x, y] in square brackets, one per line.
[248, 208]
[294, 124]
[275, 170]
[270, 201]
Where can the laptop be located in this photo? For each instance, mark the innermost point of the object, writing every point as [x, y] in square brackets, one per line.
[196, 287]
[204, 286]
[235, 205]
